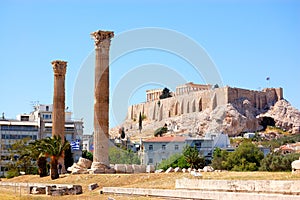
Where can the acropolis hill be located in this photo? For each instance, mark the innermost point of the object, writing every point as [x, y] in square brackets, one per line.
[197, 109]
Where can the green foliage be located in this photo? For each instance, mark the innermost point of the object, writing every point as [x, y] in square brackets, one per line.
[275, 143]
[87, 154]
[160, 131]
[120, 156]
[165, 94]
[278, 162]
[12, 173]
[219, 159]
[246, 157]
[21, 158]
[193, 158]
[176, 160]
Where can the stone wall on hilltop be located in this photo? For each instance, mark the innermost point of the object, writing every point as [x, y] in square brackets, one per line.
[229, 110]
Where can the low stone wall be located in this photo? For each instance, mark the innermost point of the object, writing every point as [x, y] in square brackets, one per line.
[197, 194]
[254, 186]
[48, 189]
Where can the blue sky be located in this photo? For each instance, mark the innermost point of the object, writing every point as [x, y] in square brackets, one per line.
[247, 41]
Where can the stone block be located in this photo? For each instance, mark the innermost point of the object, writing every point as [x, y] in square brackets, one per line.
[169, 170]
[150, 169]
[177, 169]
[129, 169]
[208, 169]
[120, 168]
[84, 163]
[93, 186]
[136, 169]
[38, 190]
[159, 171]
[110, 171]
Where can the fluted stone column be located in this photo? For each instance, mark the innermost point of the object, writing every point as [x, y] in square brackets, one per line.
[101, 102]
[58, 110]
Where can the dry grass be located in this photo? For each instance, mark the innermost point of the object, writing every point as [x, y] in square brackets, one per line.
[159, 181]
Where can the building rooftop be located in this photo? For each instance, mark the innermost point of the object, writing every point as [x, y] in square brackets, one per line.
[167, 139]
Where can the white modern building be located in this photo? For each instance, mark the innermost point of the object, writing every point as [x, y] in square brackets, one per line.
[37, 125]
[157, 149]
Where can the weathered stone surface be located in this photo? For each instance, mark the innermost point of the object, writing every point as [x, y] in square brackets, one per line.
[56, 190]
[129, 169]
[84, 163]
[38, 190]
[120, 168]
[102, 41]
[208, 169]
[150, 169]
[159, 171]
[177, 169]
[285, 116]
[296, 166]
[93, 186]
[110, 171]
[169, 170]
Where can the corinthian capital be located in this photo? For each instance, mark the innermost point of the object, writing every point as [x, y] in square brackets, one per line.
[102, 38]
[59, 67]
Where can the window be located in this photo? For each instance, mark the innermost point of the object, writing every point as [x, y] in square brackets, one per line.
[150, 160]
[150, 147]
[176, 147]
[163, 147]
[47, 108]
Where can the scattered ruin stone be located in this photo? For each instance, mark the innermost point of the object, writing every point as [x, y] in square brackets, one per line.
[184, 170]
[170, 169]
[177, 169]
[296, 167]
[150, 169]
[93, 186]
[84, 163]
[159, 171]
[54, 190]
[208, 169]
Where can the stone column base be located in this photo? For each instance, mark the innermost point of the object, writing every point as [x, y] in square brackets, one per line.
[99, 168]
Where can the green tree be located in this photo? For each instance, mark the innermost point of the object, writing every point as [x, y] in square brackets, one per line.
[278, 162]
[193, 158]
[176, 160]
[219, 159]
[246, 157]
[21, 160]
[122, 156]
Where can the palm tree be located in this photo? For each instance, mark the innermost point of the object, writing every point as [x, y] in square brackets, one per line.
[54, 147]
[37, 151]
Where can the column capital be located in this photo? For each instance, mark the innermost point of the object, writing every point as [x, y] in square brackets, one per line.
[59, 67]
[101, 36]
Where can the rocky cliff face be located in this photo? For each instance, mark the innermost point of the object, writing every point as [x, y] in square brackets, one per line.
[284, 115]
[232, 118]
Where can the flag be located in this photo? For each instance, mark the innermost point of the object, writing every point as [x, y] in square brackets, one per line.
[75, 145]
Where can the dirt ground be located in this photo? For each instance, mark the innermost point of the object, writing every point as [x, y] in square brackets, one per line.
[157, 181]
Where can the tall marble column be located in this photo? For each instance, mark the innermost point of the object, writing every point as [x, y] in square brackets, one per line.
[101, 103]
[58, 110]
